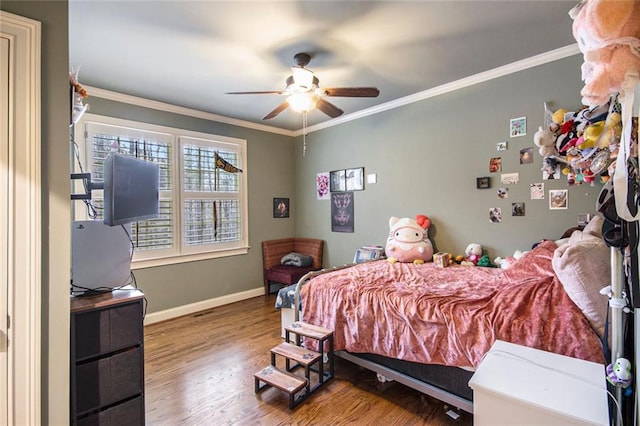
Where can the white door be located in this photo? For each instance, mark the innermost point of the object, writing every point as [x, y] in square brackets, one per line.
[4, 223]
[20, 213]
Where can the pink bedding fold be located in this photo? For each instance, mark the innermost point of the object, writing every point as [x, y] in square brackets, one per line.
[449, 316]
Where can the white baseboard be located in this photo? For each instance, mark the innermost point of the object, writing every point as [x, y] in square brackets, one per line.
[201, 306]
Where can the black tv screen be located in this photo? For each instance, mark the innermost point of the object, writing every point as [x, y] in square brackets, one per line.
[130, 189]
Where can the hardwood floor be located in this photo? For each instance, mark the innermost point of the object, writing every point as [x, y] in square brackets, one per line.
[199, 371]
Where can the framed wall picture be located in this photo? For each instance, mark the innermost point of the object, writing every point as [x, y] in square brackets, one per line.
[354, 179]
[558, 199]
[337, 181]
[342, 212]
[322, 186]
[280, 207]
[483, 182]
[518, 127]
[495, 165]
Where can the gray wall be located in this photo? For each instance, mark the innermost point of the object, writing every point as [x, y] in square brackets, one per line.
[269, 174]
[427, 156]
[55, 203]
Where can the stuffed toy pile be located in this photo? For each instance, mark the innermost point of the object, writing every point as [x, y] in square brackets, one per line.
[580, 143]
[408, 240]
[608, 35]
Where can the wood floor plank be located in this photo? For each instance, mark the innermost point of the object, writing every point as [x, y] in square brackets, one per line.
[199, 371]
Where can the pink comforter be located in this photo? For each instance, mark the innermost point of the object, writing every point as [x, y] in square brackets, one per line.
[449, 316]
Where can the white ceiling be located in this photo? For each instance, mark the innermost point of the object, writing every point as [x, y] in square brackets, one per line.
[189, 53]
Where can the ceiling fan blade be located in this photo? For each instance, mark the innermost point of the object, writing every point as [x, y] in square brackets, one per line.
[355, 92]
[276, 111]
[268, 92]
[328, 108]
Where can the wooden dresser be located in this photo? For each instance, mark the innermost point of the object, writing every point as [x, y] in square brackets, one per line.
[107, 359]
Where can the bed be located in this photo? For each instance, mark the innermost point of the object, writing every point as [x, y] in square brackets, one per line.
[429, 327]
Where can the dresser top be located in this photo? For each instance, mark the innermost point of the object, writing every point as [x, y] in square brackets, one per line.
[103, 300]
[568, 386]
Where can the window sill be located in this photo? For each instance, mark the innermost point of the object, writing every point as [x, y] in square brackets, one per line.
[150, 263]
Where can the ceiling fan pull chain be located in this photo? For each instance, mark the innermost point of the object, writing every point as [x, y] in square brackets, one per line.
[304, 133]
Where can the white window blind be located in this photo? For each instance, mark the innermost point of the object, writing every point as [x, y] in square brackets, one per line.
[211, 196]
[202, 207]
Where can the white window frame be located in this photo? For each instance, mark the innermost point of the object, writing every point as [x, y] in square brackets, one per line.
[179, 252]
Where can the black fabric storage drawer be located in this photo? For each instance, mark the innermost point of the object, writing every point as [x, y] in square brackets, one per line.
[130, 413]
[109, 380]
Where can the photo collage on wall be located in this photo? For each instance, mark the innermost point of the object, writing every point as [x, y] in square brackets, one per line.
[558, 199]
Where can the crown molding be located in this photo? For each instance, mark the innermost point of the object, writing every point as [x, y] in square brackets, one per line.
[162, 106]
[534, 61]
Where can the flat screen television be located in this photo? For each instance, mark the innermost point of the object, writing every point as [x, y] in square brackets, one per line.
[130, 189]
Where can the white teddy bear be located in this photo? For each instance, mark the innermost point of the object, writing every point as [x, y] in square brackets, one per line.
[507, 262]
[545, 140]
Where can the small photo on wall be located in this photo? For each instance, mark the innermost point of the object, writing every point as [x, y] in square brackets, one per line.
[495, 164]
[558, 199]
[518, 127]
[502, 146]
[509, 178]
[526, 156]
[280, 207]
[517, 209]
[550, 169]
[503, 193]
[537, 191]
[495, 215]
[483, 182]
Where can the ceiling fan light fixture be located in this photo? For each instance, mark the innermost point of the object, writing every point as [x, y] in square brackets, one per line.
[302, 77]
[303, 102]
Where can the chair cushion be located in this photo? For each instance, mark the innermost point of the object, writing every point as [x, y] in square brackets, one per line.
[286, 274]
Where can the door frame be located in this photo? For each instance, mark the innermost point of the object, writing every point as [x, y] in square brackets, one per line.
[23, 221]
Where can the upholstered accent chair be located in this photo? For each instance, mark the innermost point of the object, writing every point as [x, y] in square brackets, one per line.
[274, 250]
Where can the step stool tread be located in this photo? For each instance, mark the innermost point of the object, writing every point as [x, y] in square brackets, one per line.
[297, 353]
[281, 379]
[309, 330]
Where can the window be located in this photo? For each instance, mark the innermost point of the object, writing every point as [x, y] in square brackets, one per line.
[202, 202]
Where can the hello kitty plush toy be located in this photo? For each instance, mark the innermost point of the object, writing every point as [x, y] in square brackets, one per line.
[408, 240]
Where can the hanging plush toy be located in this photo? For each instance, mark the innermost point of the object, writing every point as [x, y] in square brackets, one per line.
[608, 35]
[408, 240]
[619, 373]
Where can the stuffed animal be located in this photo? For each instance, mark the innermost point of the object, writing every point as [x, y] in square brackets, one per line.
[545, 140]
[408, 240]
[485, 261]
[473, 253]
[619, 373]
[608, 35]
[507, 262]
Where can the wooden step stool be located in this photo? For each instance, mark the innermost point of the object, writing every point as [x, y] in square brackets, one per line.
[286, 380]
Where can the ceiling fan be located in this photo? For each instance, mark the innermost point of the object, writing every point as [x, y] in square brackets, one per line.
[304, 92]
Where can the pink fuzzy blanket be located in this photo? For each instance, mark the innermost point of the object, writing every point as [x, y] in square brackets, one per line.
[449, 316]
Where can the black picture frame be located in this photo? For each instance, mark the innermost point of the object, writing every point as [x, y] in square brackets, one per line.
[337, 181]
[280, 208]
[354, 179]
[342, 212]
[483, 182]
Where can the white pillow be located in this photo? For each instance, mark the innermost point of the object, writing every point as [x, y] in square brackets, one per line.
[594, 227]
[583, 267]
